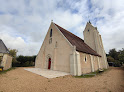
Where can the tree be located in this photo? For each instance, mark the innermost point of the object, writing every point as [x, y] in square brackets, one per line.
[21, 59]
[121, 55]
[26, 60]
[13, 53]
[33, 58]
[114, 54]
[110, 59]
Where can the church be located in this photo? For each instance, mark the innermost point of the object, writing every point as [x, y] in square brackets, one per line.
[63, 51]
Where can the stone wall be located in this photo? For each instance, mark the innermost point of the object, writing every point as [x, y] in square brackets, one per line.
[7, 61]
[59, 50]
[89, 63]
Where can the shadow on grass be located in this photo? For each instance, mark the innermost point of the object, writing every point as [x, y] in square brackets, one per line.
[4, 71]
[92, 74]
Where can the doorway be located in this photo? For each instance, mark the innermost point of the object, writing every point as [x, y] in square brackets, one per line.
[49, 63]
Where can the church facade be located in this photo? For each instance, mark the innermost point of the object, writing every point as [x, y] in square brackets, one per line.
[61, 50]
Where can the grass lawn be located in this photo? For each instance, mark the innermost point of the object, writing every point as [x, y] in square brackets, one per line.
[92, 74]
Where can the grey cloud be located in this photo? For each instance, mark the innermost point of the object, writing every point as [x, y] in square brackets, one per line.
[27, 22]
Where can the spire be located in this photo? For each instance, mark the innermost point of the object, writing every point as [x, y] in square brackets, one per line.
[89, 22]
[51, 20]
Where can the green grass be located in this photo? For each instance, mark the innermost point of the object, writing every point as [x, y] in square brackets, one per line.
[92, 74]
[85, 76]
[4, 71]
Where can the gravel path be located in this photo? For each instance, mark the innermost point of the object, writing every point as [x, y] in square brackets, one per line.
[19, 80]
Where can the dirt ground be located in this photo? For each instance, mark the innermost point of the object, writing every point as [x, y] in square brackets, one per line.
[20, 80]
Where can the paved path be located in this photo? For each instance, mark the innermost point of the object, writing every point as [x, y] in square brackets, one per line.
[20, 80]
[46, 73]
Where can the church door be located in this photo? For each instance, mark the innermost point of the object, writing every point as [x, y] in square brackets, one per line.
[49, 63]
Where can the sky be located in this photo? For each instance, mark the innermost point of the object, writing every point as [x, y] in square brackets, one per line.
[24, 23]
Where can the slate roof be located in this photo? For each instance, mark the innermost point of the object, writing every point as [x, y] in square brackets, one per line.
[3, 48]
[81, 46]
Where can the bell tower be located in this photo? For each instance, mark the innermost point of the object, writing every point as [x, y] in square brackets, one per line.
[93, 39]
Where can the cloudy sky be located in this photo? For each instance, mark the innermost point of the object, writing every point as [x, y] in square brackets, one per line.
[24, 23]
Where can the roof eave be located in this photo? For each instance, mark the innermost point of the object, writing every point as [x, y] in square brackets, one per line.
[88, 53]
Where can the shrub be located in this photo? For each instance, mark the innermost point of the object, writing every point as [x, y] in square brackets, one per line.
[117, 63]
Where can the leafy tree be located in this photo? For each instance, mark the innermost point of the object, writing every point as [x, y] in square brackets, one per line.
[121, 55]
[114, 54]
[34, 57]
[21, 59]
[13, 53]
[110, 59]
[26, 60]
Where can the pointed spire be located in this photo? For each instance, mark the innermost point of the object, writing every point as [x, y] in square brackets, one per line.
[89, 22]
[51, 20]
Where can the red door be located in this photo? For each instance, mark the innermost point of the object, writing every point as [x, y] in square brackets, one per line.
[49, 63]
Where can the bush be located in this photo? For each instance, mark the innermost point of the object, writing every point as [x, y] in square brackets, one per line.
[16, 64]
[24, 61]
[28, 63]
[117, 64]
[110, 59]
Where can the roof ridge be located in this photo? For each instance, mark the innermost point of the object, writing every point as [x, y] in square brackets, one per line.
[81, 46]
[69, 32]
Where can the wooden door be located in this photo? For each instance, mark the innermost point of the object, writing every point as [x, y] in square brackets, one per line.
[49, 63]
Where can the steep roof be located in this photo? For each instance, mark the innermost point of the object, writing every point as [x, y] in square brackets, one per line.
[3, 48]
[81, 46]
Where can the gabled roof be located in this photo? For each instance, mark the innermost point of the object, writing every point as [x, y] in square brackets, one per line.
[81, 46]
[3, 48]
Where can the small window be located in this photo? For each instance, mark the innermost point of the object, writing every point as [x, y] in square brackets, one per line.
[51, 33]
[88, 30]
[56, 45]
[85, 59]
[50, 40]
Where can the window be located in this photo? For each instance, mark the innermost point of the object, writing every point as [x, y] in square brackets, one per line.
[51, 33]
[88, 30]
[56, 45]
[50, 40]
[85, 59]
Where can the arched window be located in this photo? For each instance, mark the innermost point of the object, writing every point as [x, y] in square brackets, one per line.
[51, 33]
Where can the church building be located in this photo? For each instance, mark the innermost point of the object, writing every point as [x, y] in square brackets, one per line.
[61, 50]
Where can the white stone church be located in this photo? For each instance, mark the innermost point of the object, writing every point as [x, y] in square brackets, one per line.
[63, 51]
